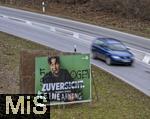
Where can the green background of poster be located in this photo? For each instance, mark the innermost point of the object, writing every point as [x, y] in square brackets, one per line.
[69, 62]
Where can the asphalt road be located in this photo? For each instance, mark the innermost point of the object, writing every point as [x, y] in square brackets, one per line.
[134, 41]
[138, 75]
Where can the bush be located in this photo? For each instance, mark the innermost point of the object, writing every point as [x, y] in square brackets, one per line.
[127, 8]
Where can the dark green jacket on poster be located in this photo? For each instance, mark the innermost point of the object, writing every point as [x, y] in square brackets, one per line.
[63, 76]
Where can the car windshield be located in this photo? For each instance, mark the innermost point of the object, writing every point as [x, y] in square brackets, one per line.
[117, 46]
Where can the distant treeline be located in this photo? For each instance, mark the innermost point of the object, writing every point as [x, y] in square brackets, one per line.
[127, 8]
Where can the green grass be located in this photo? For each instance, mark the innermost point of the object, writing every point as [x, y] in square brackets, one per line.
[111, 98]
[116, 100]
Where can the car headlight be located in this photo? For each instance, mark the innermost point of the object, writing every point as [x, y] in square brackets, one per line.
[116, 57]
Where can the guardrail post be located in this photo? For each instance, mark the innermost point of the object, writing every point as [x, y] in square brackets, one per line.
[75, 48]
[43, 6]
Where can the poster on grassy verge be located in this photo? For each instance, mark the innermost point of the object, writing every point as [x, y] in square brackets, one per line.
[64, 79]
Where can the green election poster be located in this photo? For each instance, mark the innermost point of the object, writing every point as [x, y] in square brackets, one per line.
[64, 79]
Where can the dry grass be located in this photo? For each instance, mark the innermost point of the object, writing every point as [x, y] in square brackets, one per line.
[10, 47]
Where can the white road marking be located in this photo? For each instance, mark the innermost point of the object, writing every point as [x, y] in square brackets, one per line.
[146, 59]
[80, 36]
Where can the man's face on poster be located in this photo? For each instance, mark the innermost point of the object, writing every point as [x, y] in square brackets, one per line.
[54, 66]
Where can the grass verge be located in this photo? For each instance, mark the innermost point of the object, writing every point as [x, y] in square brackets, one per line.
[116, 99]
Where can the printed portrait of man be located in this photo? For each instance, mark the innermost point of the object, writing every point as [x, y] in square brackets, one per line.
[56, 74]
[58, 83]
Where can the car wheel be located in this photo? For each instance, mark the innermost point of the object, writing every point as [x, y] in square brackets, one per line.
[108, 61]
[94, 55]
[130, 64]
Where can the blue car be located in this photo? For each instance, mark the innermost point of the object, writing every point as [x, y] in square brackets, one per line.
[112, 51]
